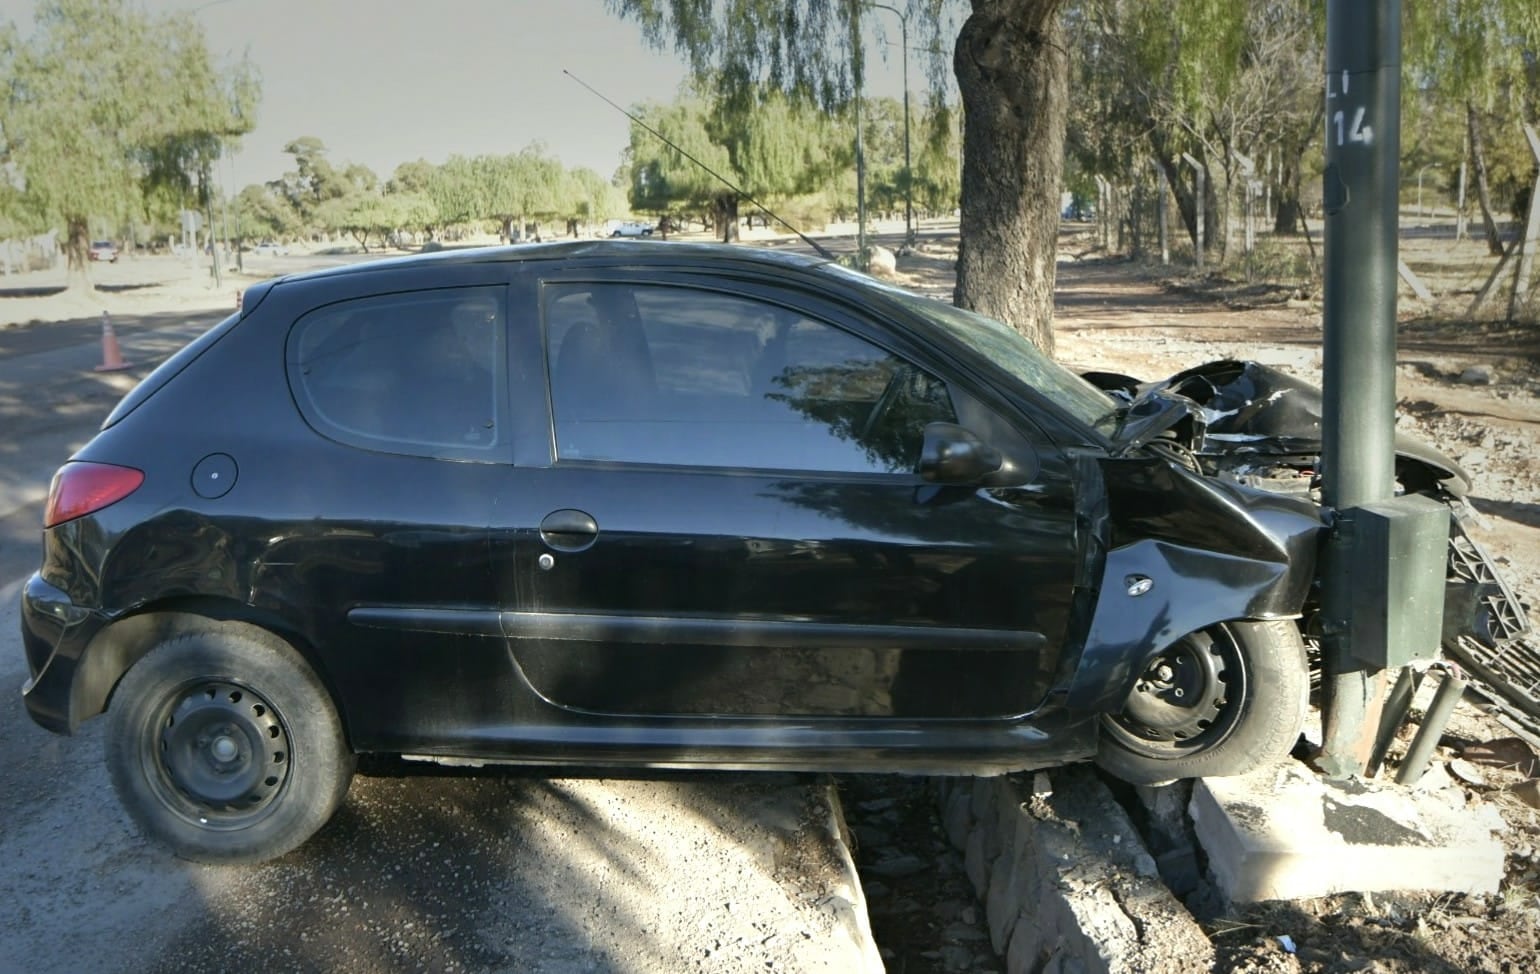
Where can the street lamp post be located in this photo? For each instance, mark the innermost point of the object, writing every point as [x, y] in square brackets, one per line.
[1431, 165]
[857, 71]
[903, 28]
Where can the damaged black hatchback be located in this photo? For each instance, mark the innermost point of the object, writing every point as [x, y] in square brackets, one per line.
[647, 506]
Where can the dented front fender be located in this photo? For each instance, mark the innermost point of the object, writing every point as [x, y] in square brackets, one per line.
[1184, 552]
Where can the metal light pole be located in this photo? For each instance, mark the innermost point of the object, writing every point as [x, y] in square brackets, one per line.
[240, 264]
[1363, 117]
[857, 70]
[903, 28]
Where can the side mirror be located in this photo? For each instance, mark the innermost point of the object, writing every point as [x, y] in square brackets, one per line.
[954, 455]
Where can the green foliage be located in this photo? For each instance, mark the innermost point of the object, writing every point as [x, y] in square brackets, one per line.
[1475, 50]
[787, 154]
[1476, 56]
[260, 213]
[801, 48]
[411, 177]
[369, 215]
[937, 139]
[667, 177]
[545, 189]
[1157, 79]
[412, 212]
[779, 79]
[456, 191]
[313, 181]
[109, 111]
[595, 199]
[779, 146]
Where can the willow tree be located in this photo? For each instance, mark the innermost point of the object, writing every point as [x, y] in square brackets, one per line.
[1011, 66]
[1476, 54]
[594, 199]
[105, 103]
[546, 190]
[671, 174]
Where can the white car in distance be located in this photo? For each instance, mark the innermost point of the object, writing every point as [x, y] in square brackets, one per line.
[628, 228]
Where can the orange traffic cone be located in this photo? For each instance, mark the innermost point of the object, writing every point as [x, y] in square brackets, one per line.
[112, 355]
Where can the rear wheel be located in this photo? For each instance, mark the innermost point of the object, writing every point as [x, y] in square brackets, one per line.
[1220, 701]
[225, 746]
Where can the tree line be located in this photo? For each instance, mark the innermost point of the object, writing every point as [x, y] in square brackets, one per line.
[115, 120]
[523, 189]
[111, 116]
[711, 158]
[1136, 94]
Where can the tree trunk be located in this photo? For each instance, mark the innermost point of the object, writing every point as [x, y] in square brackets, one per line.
[1012, 68]
[727, 216]
[77, 247]
[1290, 217]
[1286, 221]
[1183, 181]
[1479, 160]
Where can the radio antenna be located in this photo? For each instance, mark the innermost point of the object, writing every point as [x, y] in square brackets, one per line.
[713, 173]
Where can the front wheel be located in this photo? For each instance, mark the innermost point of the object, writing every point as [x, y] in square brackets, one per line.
[224, 745]
[1220, 701]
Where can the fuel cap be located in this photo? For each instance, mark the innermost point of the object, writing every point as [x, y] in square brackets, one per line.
[214, 475]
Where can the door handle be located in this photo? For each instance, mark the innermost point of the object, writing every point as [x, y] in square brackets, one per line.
[569, 530]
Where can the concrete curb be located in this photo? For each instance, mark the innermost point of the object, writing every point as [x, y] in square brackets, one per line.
[1065, 879]
[848, 900]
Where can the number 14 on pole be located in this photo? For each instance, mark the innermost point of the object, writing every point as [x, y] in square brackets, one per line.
[1347, 128]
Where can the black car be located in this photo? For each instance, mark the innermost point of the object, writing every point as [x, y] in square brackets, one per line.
[610, 503]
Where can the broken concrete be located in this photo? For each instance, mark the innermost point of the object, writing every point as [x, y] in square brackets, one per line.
[1286, 833]
[1066, 881]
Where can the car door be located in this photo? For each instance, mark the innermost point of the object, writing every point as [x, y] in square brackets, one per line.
[732, 524]
[379, 520]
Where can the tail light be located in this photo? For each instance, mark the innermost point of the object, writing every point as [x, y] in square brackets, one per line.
[82, 488]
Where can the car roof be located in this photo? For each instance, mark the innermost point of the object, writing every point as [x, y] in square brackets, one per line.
[655, 253]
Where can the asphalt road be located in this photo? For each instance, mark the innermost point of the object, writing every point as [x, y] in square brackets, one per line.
[421, 870]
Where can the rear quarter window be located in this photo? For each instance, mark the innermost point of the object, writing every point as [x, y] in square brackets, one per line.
[420, 373]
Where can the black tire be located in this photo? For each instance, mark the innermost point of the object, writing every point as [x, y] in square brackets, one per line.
[1217, 702]
[186, 726]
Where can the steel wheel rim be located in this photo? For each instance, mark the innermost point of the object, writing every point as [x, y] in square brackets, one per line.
[1188, 698]
[218, 755]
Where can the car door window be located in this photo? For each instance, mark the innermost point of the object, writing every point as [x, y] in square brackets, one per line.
[685, 377]
[415, 373]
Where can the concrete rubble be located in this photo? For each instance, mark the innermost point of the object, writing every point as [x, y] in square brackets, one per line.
[1286, 833]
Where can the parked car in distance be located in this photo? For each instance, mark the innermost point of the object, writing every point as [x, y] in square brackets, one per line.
[607, 504]
[103, 250]
[269, 248]
[628, 228]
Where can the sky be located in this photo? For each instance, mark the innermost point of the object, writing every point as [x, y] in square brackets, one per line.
[382, 82]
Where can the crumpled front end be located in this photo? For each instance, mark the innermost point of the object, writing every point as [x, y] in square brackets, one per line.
[1252, 424]
[1183, 552]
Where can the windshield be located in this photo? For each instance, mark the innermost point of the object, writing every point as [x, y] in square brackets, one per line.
[1008, 349]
